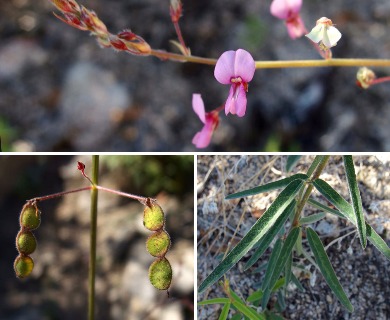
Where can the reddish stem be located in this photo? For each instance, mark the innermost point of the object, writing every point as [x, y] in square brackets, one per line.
[143, 200]
[59, 194]
[180, 37]
[380, 80]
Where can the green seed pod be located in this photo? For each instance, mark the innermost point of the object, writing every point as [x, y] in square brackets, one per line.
[153, 217]
[158, 243]
[26, 242]
[160, 274]
[23, 266]
[30, 217]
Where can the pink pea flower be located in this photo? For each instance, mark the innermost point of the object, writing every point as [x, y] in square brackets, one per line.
[237, 69]
[210, 120]
[288, 10]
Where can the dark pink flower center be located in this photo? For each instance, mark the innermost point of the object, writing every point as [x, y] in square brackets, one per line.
[236, 83]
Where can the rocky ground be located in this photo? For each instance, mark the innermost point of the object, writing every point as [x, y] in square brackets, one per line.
[364, 274]
[57, 287]
[60, 91]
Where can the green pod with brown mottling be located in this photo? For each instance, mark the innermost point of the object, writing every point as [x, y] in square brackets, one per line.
[160, 274]
[154, 217]
[30, 217]
[23, 266]
[158, 243]
[26, 242]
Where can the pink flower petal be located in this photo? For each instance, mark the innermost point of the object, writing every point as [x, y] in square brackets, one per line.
[296, 28]
[202, 138]
[224, 69]
[236, 101]
[283, 9]
[198, 106]
[241, 102]
[244, 65]
[230, 105]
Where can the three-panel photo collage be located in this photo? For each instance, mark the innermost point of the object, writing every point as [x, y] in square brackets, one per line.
[209, 160]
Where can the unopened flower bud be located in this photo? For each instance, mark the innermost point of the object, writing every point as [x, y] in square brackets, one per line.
[175, 10]
[365, 77]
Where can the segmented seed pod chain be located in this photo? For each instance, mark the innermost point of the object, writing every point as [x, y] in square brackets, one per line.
[30, 219]
[158, 244]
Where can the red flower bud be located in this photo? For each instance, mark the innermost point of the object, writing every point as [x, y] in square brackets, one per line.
[175, 10]
[118, 44]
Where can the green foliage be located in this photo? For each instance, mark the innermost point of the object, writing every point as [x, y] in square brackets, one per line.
[253, 32]
[153, 174]
[271, 225]
[7, 134]
[259, 229]
[326, 268]
[356, 199]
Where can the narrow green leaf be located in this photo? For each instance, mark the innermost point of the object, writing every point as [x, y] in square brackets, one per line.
[297, 283]
[257, 295]
[281, 301]
[312, 218]
[346, 210]
[244, 309]
[225, 312]
[264, 243]
[265, 299]
[272, 263]
[317, 160]
[279, 284]
[213, 301]
[237, 316]
[283, 257]
[326, 268]
[281, 262]
[321, 206]
[291, 162]
[258, 230]
[268, 187]
[356, 199]
[287, 271]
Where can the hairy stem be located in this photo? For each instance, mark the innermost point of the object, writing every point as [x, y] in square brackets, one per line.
[92, 253]
[309, 189]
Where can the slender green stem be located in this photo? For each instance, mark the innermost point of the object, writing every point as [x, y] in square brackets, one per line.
[280, 64]
[309, 189]
[92, 253]
[323, 63]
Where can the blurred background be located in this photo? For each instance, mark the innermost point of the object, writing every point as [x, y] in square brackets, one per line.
[60, 92]
[57, 287]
